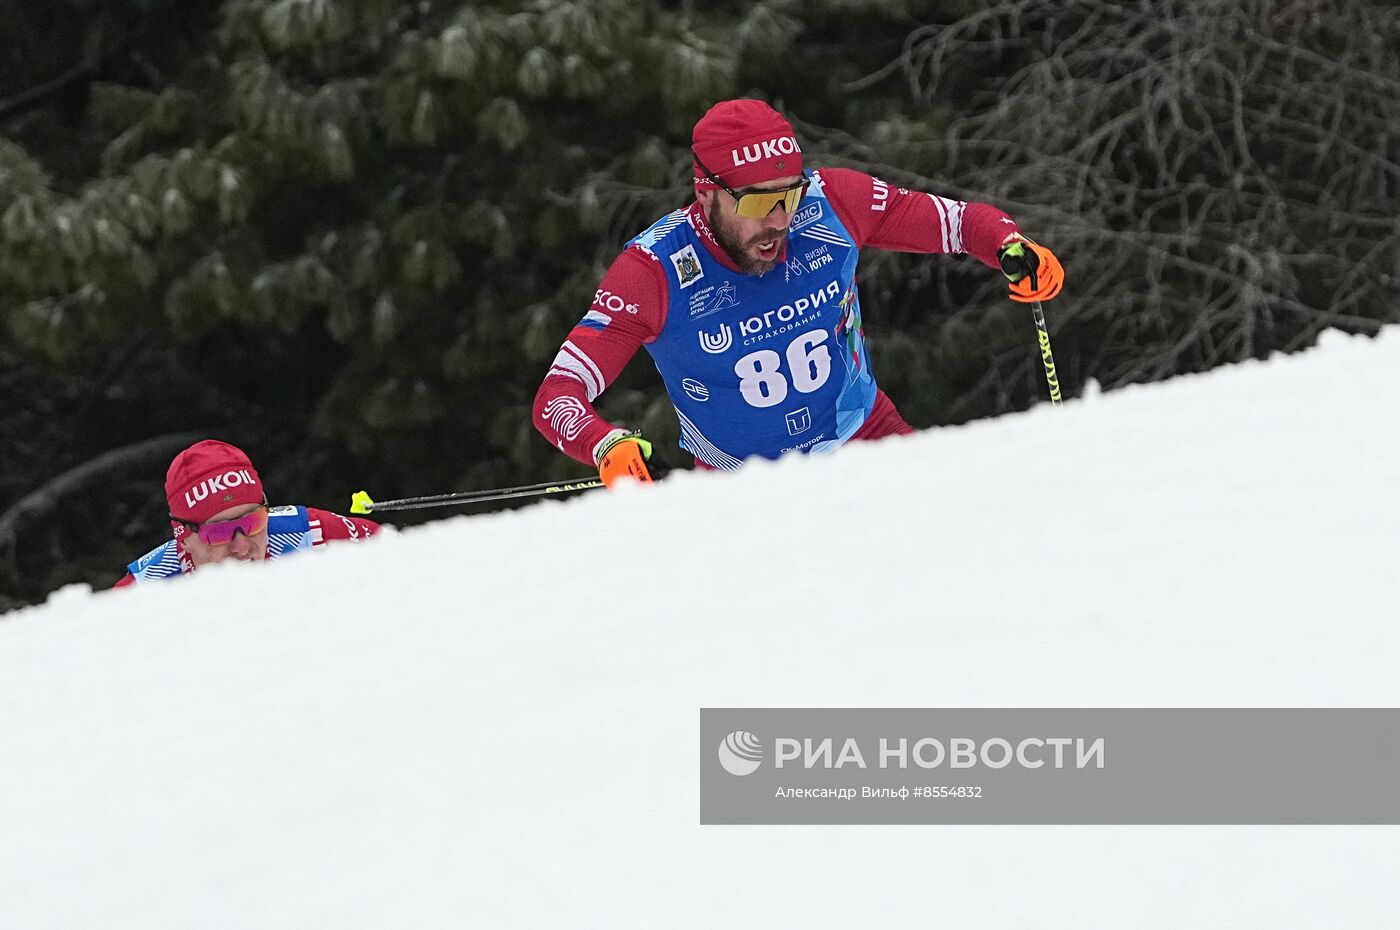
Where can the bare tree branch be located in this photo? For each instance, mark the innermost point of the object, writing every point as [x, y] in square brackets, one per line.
[79, 478]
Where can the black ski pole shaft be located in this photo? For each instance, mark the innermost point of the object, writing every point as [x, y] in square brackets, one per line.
[362, 503]
[1048, 358]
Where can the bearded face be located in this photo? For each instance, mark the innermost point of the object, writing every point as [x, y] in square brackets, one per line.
[754, 245]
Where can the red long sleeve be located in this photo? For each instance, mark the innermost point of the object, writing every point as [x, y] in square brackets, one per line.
[884, 217]
[629, 309]
[332, 527]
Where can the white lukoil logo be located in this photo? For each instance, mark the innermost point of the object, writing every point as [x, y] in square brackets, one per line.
[718, 342]
[740, 753]
[228, 480]
[881, 196]
[770, 148]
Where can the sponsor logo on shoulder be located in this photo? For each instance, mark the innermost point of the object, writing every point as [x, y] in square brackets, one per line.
[687, 265]
[807, 216]
[607, 300]
[717, 343]
[695, 389]
[880, 197]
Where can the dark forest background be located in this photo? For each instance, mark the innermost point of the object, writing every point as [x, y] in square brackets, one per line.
[349, 235]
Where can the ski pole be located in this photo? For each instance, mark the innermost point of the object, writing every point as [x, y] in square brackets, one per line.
[1037, 311]
[1045, 355]
[362, 503]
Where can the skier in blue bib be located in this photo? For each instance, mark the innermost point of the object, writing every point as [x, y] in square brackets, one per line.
[747, 302]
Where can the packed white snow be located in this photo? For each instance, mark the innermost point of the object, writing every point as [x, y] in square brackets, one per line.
[493, 721]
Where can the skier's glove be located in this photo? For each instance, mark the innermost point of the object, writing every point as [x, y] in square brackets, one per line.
[624, 455]
[1033, 270]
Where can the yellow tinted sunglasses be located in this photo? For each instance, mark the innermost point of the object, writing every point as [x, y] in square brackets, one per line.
[755, 205]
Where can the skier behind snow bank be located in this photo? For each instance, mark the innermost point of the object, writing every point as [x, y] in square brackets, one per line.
[746, 300]
[219, 512]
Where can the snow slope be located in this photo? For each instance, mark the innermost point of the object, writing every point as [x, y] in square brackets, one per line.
[493, 721]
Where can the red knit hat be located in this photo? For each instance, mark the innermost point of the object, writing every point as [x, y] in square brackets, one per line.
[208, 477]
[744, 142]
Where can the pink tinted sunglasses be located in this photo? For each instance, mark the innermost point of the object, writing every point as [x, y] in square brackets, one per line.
[221, 532]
